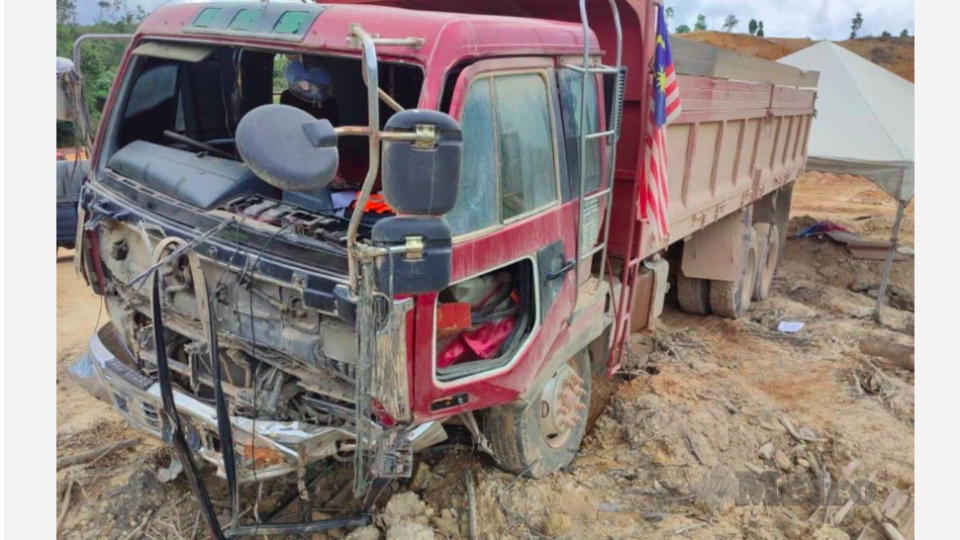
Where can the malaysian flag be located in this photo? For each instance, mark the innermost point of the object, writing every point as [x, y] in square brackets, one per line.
[664, 108]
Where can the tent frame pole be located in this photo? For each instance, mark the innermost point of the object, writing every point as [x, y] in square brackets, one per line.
[894, 243]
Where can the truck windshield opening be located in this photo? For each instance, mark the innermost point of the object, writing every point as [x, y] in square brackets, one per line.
[181, 100]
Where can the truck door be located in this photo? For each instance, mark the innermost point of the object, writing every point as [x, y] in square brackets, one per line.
[514, 244]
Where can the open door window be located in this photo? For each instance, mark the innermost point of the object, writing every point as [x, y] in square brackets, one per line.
[485, 321]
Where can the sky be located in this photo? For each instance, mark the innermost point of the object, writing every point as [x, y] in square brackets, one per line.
[817, 19]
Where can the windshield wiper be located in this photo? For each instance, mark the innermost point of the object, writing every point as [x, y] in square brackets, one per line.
[199, 145]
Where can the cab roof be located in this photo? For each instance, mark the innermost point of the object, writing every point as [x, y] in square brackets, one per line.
[449, 38]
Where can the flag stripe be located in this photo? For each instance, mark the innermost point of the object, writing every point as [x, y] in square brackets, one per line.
[664, 108]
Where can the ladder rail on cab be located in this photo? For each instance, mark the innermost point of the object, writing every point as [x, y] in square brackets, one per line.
[612, 136]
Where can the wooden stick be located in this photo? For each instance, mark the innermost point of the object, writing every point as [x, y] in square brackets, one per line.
[847, 506]
[136, 533]
[472, 504]
[693, 446]
[96, 453]
[888, 529]
[793, 431]
[65, 505]
[814, 464]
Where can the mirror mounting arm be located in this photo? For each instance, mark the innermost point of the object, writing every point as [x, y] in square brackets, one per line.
[370, 76]
[426, 136]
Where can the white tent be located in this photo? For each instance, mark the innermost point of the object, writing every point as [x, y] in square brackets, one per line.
[864, 126]
[864, 121]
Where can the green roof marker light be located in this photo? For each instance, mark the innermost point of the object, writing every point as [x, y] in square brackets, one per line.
[290, 22]
[206, 17]
[271, 21]
[245, 19]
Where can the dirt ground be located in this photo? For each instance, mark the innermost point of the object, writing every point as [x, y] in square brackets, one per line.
[703, 401]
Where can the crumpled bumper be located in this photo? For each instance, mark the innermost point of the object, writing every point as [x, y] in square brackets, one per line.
[264, 449]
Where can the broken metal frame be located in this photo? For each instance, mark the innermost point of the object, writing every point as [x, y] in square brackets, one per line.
[174, 433]
[172, 428]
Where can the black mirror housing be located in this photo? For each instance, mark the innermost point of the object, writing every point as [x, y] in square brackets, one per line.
[287, 148]
[425, 266]
[422, 179]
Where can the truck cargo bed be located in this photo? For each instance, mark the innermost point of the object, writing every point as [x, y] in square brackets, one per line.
[735, 142]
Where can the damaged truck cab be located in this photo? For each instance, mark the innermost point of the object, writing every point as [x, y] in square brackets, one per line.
[326, 230]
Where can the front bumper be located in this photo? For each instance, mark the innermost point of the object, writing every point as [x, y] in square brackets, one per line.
[264, 449]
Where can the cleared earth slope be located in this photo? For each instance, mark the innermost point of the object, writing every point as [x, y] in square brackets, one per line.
[895, 54]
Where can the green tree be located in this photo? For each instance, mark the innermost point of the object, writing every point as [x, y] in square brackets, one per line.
[100, 59]
[855, 24]
[904, 33]
[730, 23]
[683, 29]
[886, 34]
[752, 27]
[668, 13]
[66, 11]
[760, 29]
[701, 23]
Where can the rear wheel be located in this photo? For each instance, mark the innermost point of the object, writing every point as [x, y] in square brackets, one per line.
[543, 435]
[769, 237]
[693, 294]
[731, 299]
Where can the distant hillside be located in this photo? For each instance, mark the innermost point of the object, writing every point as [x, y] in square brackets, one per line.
[894, 54]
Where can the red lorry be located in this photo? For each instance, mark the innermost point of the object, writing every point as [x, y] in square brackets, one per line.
[328, 230]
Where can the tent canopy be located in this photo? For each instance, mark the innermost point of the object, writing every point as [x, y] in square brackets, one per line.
[864, 122]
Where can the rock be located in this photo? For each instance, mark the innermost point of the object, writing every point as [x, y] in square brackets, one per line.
[557, 524]
[406, 530]
[370, 532]
[447, 523]
[803, 463]
[406, 505]
[793, 529]
[827, 532]
[422, 478]
[862, 285]
[807, 434]
[782, 461]
[766, 451]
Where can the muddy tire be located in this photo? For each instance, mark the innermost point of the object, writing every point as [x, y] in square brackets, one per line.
[693, 294]
[731, 299]
[520, 433]
[769, 238]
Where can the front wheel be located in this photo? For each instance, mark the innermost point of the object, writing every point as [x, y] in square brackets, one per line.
[543, 435]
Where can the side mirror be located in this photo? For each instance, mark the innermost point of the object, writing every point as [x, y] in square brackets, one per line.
[422, 178]
[65, 90]
[425, 263]
[287, 148]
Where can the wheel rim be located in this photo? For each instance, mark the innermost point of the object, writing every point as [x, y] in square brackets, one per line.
[561, 403]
